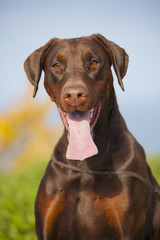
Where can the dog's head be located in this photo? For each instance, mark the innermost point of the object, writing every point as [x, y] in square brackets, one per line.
[77, 74]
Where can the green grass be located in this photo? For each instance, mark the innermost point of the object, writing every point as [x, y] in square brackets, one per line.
[17, 195]
[154, 163]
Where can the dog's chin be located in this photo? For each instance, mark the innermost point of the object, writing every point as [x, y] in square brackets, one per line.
[93, 115]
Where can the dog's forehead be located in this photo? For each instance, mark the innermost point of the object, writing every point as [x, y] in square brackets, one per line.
[77, 45]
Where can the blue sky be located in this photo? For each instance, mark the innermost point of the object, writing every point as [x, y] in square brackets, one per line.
[134, 25]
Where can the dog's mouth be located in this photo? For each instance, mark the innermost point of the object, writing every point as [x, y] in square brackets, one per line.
[78, 115]
[79, 125]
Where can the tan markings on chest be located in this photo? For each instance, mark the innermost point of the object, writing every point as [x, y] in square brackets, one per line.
[55, 208]
[50, 208]
[115, 210]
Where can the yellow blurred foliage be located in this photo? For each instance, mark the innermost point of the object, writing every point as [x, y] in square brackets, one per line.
[25, 135]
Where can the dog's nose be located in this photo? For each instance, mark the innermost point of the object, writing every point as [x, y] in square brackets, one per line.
[74, 96]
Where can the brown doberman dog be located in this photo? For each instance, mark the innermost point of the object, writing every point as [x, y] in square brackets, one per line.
[90, 189]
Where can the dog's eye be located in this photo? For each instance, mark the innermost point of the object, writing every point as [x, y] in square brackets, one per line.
[93, 63]
[57, 66]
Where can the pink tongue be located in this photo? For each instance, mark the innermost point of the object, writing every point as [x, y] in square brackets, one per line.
[81, 144]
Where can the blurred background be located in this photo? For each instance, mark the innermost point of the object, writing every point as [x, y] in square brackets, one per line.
[29, 128]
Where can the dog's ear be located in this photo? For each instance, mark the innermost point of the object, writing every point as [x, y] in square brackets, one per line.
[119, 57]
[34, 64]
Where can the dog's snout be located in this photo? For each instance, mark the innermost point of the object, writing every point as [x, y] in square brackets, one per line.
[74, 96]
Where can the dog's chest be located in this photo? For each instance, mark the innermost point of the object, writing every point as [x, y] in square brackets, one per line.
[80, 211]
